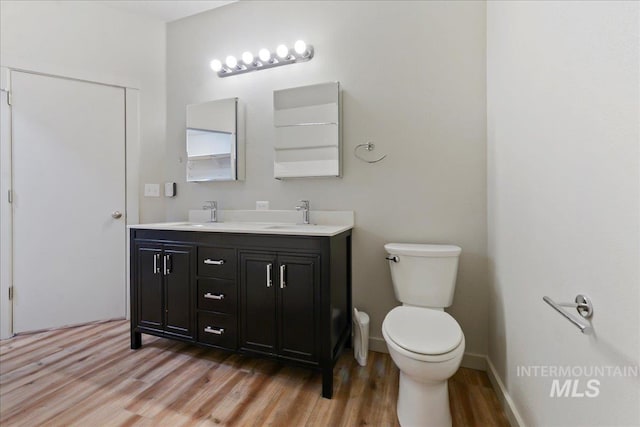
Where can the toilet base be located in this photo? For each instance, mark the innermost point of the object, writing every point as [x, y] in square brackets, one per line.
[423, 404]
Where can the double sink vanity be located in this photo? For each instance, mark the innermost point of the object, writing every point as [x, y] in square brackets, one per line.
[279, 290]
[268, 283]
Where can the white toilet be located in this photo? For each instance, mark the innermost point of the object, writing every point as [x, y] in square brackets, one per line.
[425, 343]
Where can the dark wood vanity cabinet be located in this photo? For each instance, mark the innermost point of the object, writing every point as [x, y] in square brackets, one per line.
[277, 296]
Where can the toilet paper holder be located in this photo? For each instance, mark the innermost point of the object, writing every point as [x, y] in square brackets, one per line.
[582, 304]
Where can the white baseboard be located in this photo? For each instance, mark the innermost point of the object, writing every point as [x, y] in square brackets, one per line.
[378, 345]
[474, 361]
[503, 396]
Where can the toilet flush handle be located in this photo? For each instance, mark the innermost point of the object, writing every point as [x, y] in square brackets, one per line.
[394, 258]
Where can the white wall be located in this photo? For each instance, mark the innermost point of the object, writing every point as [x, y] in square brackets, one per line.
[89, 41]
[563, 198]
[413, 80]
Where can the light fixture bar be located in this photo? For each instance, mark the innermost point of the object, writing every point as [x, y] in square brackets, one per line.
[301, 52]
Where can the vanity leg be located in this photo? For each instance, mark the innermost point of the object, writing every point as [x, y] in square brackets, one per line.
[349, 342]
[327, 382]
[136, 340]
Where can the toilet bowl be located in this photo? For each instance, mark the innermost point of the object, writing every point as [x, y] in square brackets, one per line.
[424, 341]
[427, 346]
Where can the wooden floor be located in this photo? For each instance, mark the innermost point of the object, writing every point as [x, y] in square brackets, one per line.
[88, 376]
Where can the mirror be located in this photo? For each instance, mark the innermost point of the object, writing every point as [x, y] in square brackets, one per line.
[307, 123]
[214, 148]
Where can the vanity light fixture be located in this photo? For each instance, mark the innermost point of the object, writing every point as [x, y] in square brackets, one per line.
[283, 55]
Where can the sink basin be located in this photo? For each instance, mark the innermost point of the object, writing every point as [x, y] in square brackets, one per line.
[222, 225]
[244, 225]
[290, 226]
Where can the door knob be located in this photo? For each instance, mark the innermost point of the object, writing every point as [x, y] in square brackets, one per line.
[116, 214]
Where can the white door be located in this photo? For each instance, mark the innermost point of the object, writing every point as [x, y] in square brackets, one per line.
[68, 142]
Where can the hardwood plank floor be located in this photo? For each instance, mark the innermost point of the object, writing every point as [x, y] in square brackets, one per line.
[88, 376]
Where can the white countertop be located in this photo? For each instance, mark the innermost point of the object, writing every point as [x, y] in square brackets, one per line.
[323, 223]
[249, 227]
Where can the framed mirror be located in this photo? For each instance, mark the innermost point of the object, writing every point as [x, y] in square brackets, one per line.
[307, 131]
[215, 150]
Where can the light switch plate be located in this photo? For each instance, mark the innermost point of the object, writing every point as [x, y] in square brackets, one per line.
[152, 190]
[262, 205]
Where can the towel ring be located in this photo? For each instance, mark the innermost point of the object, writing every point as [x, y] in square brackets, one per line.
[369, 146]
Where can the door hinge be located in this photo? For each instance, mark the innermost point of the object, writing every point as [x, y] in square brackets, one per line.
[10, 293]
[10, 196]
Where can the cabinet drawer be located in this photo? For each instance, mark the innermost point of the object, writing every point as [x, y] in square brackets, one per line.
[217, 295]
[217, 262]
[217, 329]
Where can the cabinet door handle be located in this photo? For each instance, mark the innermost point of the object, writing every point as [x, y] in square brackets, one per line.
[167, 264]
[269, 281]
[213, 261]
[217, 331]
[209, 295]
[283, 284]
[156, 262]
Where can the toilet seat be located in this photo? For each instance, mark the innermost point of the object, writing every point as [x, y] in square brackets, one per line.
[428, 334]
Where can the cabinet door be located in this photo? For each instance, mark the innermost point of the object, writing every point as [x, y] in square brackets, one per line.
[178, 279]
[150, 312]
[257, 310]
[298, 307]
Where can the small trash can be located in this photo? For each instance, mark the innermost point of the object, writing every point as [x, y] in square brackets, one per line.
[360, 336]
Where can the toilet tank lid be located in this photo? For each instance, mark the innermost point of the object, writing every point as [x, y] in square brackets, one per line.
[419, 249]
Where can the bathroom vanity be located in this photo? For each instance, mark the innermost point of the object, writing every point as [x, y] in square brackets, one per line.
[276, 291]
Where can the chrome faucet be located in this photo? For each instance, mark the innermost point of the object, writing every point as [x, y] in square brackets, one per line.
[212, 205]
[304, 207]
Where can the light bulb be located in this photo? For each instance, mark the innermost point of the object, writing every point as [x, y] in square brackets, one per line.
[216, 65]
[282, 51]
[231, 61]
[264, 55]
[247, 58]
[300, 47]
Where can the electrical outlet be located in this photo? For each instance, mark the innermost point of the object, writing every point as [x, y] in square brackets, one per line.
[262, 205]
[152, 190]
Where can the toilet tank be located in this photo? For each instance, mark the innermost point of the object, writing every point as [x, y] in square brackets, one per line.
[424, 275]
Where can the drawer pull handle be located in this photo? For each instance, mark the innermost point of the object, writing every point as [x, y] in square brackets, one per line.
[209, 295]
[217, 331]
[209, 261]
[269, 281]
